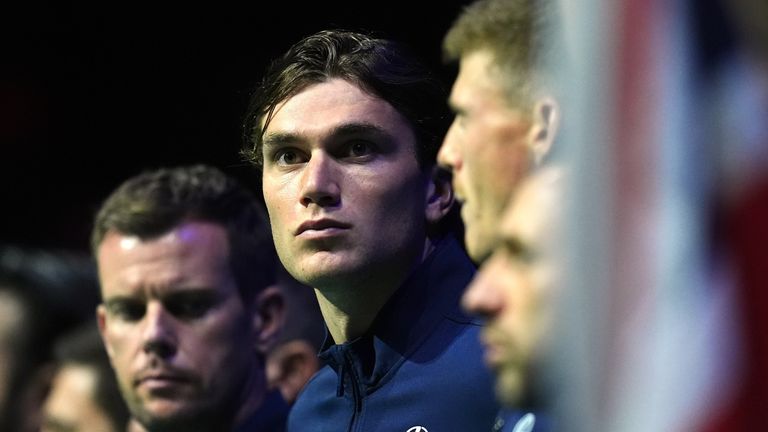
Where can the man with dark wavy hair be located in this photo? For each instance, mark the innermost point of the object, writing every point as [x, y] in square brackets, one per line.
[345, 128]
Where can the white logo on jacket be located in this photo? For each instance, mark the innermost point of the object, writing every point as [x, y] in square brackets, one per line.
[525, 424]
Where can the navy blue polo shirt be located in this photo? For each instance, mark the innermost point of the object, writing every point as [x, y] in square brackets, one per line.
[418, 368]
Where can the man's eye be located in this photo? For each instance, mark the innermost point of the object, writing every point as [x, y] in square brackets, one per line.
[189, 308]
[287, 157]
[360, 148]
[127, 311]
[519, 251]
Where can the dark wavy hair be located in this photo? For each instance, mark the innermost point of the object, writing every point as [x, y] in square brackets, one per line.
[385, 68]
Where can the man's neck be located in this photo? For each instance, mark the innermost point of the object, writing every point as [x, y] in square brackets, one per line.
[349, 311]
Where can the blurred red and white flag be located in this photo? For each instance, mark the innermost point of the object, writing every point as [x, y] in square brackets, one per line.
[654, 309]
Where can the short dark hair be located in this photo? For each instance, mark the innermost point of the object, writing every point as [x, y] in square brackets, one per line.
[517, 33]
[385, 68]
[155, 201]
[83, 347]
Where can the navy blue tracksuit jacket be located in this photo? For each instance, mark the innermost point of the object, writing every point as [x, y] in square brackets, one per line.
[418, 369]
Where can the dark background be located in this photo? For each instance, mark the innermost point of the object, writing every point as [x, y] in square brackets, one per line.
[92, 93]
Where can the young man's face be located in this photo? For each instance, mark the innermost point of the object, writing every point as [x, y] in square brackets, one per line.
[486, 148]
[514, 287]
[343, 187]
[179, 337]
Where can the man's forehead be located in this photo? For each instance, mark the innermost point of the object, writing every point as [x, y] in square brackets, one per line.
[478, 68]
[332, 93]
[180, 239]
[336, 109]
[194, 254]
[481, 80]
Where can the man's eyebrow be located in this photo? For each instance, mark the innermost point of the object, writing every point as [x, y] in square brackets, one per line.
[204, 293]
[279, 139]
[517, 247]
[368, 129]
[282, 139]
[113, 301]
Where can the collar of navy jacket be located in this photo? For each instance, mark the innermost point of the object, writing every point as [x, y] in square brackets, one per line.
[428, 296]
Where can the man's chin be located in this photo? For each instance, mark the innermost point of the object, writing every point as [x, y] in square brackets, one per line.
[164, 415]
[328, 268]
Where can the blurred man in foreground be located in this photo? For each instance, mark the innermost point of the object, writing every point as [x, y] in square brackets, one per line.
[507, 115]
[515, 288]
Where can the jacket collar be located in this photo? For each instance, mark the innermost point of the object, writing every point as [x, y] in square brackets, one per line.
[429, 295]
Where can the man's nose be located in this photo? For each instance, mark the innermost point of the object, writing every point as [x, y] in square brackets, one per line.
[320, 181]
[448, 156]
[158, 333]
[483, 296]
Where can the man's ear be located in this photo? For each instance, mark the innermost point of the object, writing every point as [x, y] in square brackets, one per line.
[546, 124]
[101, 320]
[439, 194]
[269, 318]
[290, 366]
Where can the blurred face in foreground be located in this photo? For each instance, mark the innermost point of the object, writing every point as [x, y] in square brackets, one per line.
[486, 148]
[514, 287]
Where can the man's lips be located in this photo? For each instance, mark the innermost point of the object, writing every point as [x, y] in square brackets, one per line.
[163, 377]
[321, 224]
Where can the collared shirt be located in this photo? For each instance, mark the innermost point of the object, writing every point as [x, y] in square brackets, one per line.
[419, 367]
